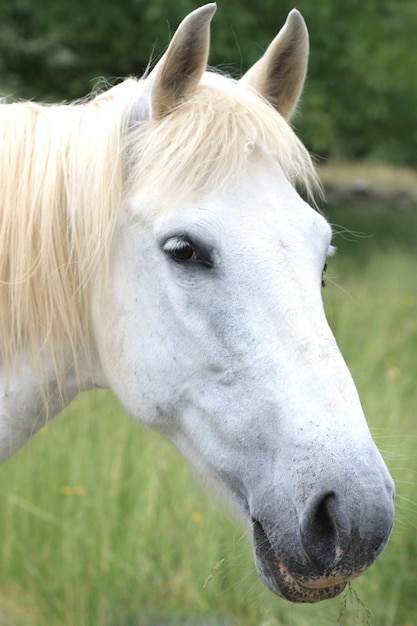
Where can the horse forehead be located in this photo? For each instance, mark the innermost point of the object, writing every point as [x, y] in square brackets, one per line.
[269, 209]
[263, 192]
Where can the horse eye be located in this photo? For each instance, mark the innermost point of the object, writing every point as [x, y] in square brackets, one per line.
[180, 250]
[184, 252]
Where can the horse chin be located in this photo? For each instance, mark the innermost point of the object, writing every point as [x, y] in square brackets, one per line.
[279, 579]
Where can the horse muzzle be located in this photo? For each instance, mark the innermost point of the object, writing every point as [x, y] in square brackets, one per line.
[328, 547]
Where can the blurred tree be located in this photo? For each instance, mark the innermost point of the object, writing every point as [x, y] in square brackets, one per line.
[361, 94]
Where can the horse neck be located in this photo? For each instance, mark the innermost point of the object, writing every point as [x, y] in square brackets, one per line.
[29, 398]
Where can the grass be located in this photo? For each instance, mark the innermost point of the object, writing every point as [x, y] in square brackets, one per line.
[102, 523]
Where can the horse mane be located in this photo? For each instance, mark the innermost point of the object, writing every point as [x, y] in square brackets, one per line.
[66, 170]
[61, 189]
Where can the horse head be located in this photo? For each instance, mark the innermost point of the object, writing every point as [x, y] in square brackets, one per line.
[211, 327]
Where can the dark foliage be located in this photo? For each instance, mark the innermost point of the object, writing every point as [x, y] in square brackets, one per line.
[361, 95]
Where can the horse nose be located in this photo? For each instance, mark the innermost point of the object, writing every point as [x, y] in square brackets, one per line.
[321, 525]
[331, 529]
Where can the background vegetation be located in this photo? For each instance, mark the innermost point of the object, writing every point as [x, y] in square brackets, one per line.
[361, 96]
[102, 523]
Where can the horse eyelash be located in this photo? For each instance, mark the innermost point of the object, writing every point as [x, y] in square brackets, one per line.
[174, 243]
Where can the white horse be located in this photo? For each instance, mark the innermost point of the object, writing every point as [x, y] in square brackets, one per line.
[152, 242]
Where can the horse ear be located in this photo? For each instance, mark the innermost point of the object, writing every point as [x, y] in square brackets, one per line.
[183, 64]
[279, 75]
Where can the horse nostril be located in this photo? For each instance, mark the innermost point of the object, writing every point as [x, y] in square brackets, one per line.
[320, 527]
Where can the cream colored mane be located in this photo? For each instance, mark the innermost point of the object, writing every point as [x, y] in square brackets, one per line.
[65, 171]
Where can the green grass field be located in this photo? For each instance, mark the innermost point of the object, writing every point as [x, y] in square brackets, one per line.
[103, 524]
